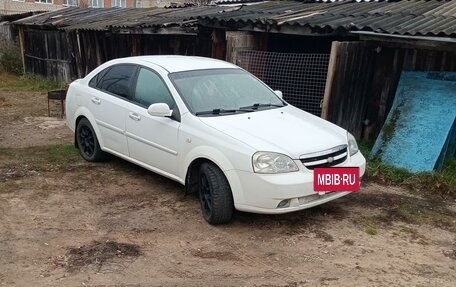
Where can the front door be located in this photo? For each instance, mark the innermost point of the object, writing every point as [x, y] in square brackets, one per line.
[152, 140]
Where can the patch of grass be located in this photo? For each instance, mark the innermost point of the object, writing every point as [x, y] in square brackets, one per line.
[412, 233]
[10, 57]
[365, 147]
[371, 230]
[26, 83]
[56, 154]
[10, 62]
[418, 214]
[412, 211]
[442, 181]
[387, 173]
[370, 224]
[390, 127]
[9, 186]
[41, 158]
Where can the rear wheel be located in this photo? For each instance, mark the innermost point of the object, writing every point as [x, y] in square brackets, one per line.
[87, 142]
[215, 194]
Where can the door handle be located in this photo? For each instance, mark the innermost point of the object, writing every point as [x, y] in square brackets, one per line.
[134, 116]
[96, 100]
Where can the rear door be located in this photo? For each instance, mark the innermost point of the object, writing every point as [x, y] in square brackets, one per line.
[108, 102]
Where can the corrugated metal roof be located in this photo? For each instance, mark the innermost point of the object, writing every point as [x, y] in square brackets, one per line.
[15, 17]
[224, 2]
[102, 19]
[412, 17]
[406, 17]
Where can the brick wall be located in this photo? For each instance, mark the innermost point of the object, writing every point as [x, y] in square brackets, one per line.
[84, 3]
[56, 2]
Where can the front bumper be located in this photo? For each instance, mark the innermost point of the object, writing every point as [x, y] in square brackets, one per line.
[262, 193]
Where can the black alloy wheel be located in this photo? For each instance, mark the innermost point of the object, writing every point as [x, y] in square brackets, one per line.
[215, 195]
[87, 142]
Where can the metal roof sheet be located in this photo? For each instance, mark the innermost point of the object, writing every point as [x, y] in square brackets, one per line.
[406, 17]
[75, 18]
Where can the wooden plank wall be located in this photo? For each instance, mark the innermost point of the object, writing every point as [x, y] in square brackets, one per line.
[65, 56]
[46, 53]
[218, 44]
[349, 76]
[429, 60]
[94, 48]
[388, 64]
[6, 32]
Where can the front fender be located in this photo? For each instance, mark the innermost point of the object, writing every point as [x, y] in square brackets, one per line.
[218, 158]
[209, 153]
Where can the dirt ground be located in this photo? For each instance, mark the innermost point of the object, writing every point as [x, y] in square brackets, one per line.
[65, 222]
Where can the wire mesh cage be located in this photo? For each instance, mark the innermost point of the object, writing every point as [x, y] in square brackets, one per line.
[300, 77]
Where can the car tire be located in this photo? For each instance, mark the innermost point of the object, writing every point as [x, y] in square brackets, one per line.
[87, 142]
[215, 194]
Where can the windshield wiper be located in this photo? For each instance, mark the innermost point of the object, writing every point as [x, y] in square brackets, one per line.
[259, 105]
[222, 111]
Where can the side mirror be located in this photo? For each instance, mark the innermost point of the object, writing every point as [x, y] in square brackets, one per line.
[279, 94]
[160, 110]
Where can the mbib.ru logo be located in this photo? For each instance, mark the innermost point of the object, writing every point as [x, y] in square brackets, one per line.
[336, 179]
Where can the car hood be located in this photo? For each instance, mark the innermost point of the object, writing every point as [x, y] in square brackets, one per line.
[287, 130]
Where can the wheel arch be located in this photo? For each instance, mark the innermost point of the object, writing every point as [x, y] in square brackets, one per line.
[200, 154]
[81, 113]
[191, 179]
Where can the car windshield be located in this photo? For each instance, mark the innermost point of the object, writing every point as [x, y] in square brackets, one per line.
[223, 91]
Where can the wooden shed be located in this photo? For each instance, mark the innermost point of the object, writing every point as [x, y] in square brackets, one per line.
[69, 43]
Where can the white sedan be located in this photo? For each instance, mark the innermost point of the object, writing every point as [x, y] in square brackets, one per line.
[211, 126]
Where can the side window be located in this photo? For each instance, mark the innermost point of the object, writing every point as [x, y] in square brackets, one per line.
[150, 89]
[116, 80]
[95, 81]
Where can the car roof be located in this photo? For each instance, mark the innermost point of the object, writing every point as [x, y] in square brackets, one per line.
[174, 63]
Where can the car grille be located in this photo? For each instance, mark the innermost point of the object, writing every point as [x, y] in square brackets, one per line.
[326, 158]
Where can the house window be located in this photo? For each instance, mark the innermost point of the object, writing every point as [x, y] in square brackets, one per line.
[118, 3]
[70, 2]
[96, 3]
[44, 1]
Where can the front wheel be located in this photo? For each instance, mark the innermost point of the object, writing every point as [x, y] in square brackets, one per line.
[87, 142]
[215, 194]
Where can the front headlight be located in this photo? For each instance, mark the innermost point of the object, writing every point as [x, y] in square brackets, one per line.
[271, 162]
[352, 145]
